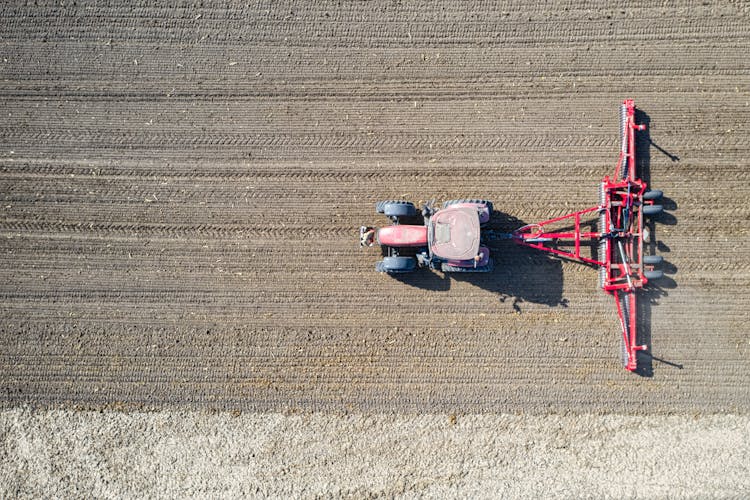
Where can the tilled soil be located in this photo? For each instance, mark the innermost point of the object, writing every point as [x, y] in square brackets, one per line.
[181, 191]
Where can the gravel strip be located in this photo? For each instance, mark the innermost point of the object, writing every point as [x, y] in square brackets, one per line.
[65, 453]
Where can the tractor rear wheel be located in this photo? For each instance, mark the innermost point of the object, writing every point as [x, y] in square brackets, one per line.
[447, 268]
[396, 265]
[396, 208]
[486, 203]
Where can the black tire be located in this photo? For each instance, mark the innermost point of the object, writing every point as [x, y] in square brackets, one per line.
[486, 203]
[653, 275]
[396, 265]
[652, 194]
[396, 208]
[653, 260]
[652, 209]
[447, 268]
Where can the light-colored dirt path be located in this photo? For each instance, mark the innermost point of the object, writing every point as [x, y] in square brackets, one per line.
[179, 454]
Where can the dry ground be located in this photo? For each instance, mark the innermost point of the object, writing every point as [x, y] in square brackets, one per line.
[68, 454]
[181, 190]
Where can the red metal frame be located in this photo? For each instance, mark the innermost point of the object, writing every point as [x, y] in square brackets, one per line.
[620, 235]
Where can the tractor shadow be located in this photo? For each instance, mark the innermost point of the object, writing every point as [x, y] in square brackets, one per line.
[521, 275]
[652, 294]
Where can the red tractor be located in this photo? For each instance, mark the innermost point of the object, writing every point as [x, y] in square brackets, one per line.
[451, 239]
[457, 238]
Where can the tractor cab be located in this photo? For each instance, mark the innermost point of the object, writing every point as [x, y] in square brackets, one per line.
[453, 233]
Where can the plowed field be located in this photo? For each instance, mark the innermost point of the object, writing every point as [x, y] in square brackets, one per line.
[181, 191]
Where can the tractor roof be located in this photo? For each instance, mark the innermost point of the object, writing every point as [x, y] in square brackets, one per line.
[455, 233]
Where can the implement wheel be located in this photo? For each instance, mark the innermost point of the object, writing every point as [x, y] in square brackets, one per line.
[652, 194]
[653, 275]
[652, 209]
[653, 260]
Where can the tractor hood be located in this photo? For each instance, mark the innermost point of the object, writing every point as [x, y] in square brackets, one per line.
[454, 233]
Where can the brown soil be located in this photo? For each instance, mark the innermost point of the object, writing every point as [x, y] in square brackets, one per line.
[181, 191]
